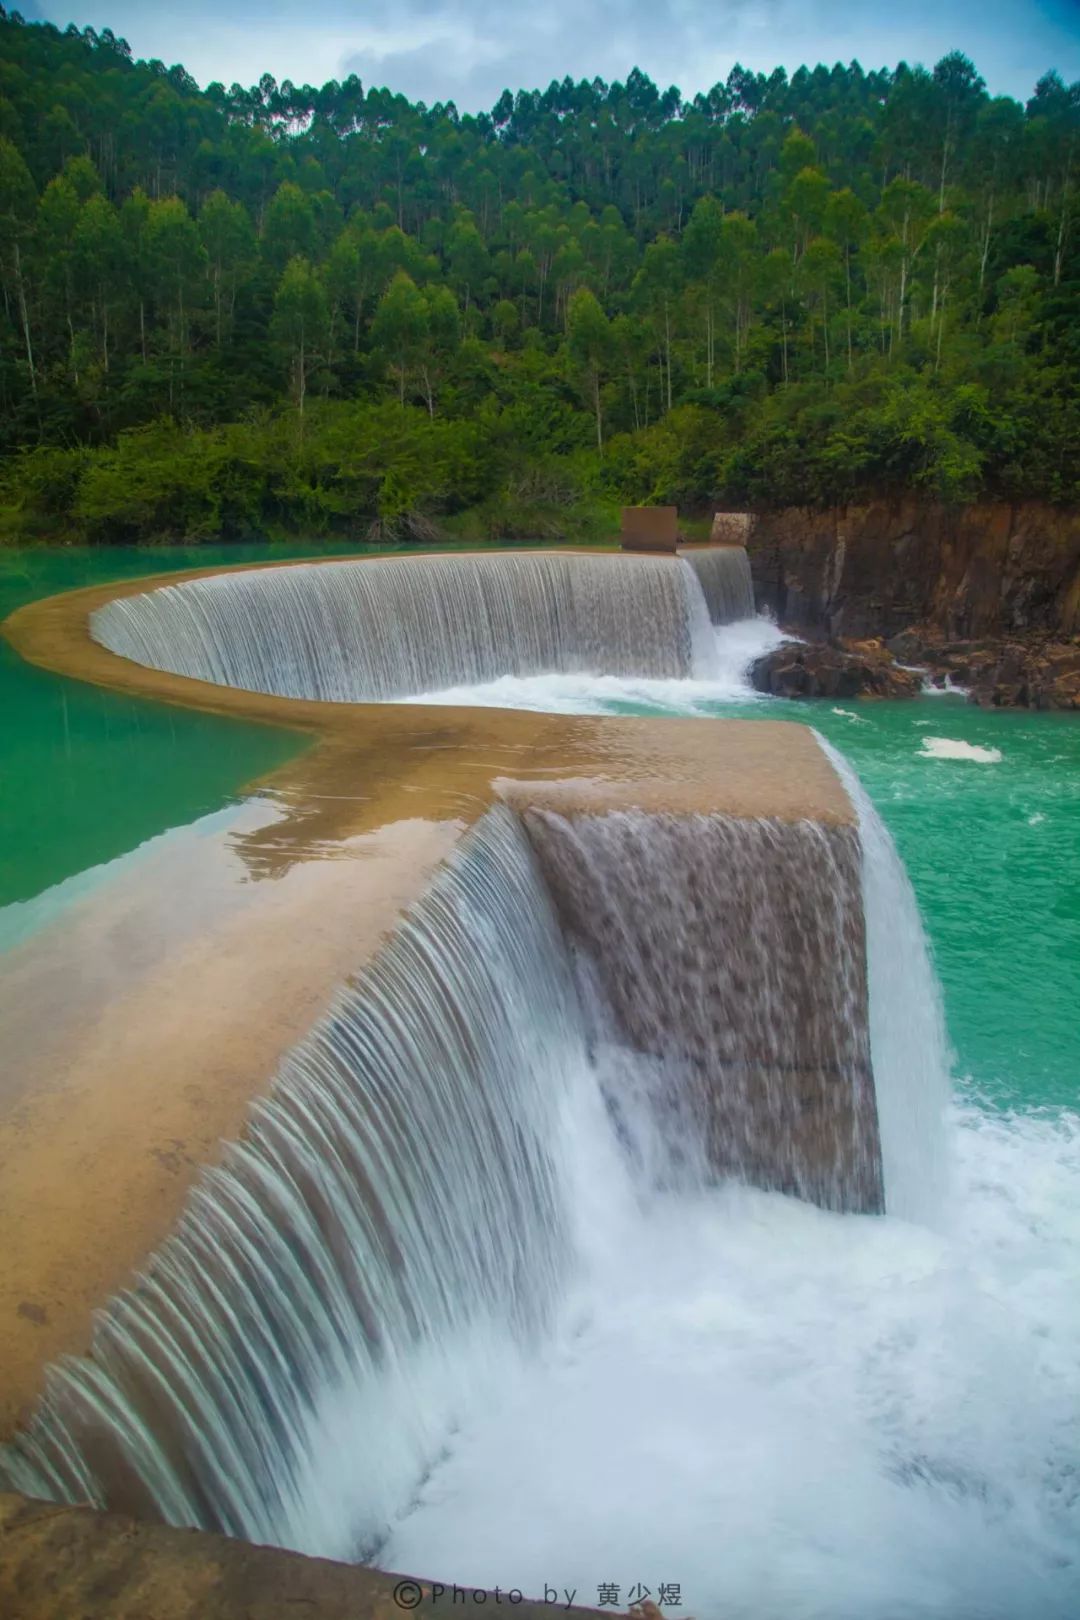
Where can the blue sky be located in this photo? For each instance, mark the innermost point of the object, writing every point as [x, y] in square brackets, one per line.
[470, 50]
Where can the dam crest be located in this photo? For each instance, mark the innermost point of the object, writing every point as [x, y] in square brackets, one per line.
[638, 944]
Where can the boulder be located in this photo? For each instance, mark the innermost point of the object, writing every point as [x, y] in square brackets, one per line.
[1044, 676]
[1036, 672]
[837, 670]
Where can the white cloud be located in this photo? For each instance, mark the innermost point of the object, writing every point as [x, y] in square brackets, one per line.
[439, 50]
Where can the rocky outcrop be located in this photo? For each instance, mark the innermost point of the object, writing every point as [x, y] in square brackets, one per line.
[838, 670]
[1038, 672]
[975, 572]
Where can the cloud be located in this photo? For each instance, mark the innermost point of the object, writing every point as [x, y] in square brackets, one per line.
[469, 51]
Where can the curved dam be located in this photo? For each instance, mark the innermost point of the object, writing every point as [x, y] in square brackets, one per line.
[512, 975]
[354, 632]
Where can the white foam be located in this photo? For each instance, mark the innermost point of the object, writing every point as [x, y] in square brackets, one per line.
[737, 646]
[794, 1414]
[930, 689]
[955, 748]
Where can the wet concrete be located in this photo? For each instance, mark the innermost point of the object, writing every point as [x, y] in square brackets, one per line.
[141, 1025]
[71, 1563]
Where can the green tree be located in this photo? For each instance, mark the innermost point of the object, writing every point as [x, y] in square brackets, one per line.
[177, 261]
[98, 252]
[656, 288]
[702, 248]
[401, 330]
[229, 244]
[846, 225]
[590, 345]
[17, 201]
[300, 322]
[289, 228]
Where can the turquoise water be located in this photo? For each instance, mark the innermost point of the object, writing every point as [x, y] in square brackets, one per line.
[993, 850]
[86, 775]
[836, 1416]
[992, 845]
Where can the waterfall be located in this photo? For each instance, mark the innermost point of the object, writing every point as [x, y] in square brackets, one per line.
[724, 572]
[908, 1043]
[582, 1021]
[393, 1217]
[732, 952]
[392, 627]
[704, 654]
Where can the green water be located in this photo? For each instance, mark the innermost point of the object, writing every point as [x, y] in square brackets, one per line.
[994, 854]
[993, 849]
[86, 775]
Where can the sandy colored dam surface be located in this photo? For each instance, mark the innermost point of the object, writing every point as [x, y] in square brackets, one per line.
[139, 1026]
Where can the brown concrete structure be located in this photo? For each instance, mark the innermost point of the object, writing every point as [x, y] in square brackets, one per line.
[114, 1096]
[69, 1563]
[650, 528]
[730, 528]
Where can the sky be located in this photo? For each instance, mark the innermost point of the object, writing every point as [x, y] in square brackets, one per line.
[469, 51]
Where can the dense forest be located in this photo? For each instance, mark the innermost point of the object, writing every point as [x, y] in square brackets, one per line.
[284, 310]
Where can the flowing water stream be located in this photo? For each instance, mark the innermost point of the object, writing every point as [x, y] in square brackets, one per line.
[348, 632]
[518, 1336]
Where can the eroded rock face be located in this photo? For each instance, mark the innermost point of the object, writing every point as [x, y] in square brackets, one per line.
[986, 570]
[1037, 672]
[847, 669]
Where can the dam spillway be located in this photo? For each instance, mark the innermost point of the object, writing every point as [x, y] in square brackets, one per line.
[723, 573]
[394, 627]
[639, 973]
[701, 930]
[405, 1203]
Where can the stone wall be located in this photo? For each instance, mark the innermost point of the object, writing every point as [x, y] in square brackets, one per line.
[983, 570]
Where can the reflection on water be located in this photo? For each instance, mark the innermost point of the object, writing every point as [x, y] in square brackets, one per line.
[87, 774]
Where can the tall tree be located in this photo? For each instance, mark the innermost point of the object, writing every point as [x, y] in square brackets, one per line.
[590, 344]
[301, 318]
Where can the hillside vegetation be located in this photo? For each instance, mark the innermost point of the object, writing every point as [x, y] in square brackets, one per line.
[284, 309]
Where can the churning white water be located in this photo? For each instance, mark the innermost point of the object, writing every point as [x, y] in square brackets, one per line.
[722, 676]
[793, 1413]
[908, 1044]
[436, 1313]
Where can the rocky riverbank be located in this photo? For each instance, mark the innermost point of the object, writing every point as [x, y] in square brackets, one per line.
[1038, 672]
[1041, 673]
[985, 597]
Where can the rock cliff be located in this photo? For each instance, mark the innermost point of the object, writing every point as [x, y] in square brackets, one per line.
[987, 596]
[972, 572]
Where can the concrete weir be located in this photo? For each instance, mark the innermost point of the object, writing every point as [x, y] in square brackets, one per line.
[365, 942]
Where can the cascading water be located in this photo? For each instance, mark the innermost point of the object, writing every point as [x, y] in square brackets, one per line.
[467, 1277]
[724, 573]
[820, 1417]
[732, 950]
[393, 1218]
[908, 1043]
[388, 628]
[488, 1253]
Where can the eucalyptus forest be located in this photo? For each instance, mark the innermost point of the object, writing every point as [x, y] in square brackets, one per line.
[289, 310]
